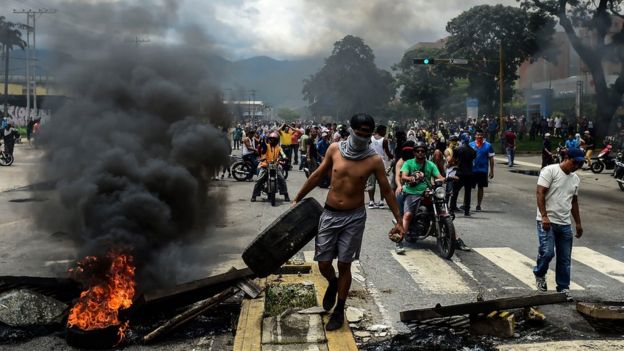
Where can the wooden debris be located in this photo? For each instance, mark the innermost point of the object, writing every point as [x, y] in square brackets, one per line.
[499, 324]
[188, 315]
[602, 311]
[483, 306]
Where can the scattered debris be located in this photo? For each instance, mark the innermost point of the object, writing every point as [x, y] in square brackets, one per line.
[24, 308]
[293, 328]
[483, 306]
[354, 315]
[378, 328]
[362, 334]
[313, 310]
[499, 324]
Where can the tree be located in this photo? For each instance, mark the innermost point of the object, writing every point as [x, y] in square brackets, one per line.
[596, 17]
[287, 114]
[10, 36]
[478, 33]
[427, 85]
[349, 82]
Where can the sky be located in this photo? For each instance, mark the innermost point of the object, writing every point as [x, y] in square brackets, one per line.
[238, 29]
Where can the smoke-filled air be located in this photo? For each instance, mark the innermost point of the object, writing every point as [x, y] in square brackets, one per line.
[133, 149]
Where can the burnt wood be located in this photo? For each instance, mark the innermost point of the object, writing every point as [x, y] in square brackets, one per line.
[188, 293]
[483, 306]
[191, 313]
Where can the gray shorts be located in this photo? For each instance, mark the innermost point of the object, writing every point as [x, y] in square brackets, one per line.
[340, 235]
[411, 203]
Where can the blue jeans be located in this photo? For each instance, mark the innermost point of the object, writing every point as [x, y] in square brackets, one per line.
[511, 153]
[559, 237]
[401, 199]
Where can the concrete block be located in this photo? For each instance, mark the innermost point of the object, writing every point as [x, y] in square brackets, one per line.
[293, 328]
[499, 324]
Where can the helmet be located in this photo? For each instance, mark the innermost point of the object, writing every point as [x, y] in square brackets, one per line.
[420, 145]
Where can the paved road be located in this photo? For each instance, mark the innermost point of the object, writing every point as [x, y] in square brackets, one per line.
[503, 237]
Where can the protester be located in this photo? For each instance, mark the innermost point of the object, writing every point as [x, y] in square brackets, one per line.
[547, 156]
[589, 145]
[285, 139]
[510, 146]
[380, 144]
[341, 226]
[483, 161]
[272, 153]
[557, 199]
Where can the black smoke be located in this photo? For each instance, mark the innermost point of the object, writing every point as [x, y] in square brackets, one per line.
[135, 147]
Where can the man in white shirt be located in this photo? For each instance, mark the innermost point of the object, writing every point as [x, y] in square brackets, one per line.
[557, 199]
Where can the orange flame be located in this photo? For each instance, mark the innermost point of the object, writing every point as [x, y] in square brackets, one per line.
[98, 307]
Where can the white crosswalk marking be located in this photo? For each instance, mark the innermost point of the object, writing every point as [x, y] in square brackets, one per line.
[432, 273]
[518, 265]
[603, 264]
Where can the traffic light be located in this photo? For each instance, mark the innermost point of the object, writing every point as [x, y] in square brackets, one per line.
[424, 61]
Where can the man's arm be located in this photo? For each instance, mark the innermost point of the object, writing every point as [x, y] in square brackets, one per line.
[386, 191]
[540, 194]
[577, 216]
[491, 159]
[317, 176]
[387, 149]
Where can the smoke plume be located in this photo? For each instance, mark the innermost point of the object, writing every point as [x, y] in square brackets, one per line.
[136, 144]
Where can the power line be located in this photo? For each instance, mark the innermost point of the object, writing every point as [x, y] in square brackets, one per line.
[31, 16]
[137, 41]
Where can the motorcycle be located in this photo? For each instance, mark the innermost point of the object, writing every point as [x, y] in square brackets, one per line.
[270, 186]
[603, 160]
[243, 169]
[433, 219]
[618, 172]
[559, 154]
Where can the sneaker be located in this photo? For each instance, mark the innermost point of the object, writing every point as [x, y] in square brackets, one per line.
[540, 283]
[380, 205]
[478, 207]
[460, 245]
[286, 198]
[399, 249]
[567, 293]
[371, 204]
[253, 199]
[467, 214]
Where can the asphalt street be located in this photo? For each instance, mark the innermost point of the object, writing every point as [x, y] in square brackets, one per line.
[503, 238]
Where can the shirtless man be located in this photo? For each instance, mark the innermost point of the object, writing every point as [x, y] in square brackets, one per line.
[341, 225]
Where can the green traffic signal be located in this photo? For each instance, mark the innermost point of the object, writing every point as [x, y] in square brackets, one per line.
[424, 61]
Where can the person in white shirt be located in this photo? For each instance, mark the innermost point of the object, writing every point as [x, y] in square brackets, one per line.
[557, 201]
[380, 144]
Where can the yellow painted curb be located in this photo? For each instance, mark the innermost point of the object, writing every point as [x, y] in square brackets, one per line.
[249, 330]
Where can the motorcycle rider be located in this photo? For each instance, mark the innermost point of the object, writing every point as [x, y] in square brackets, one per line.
[417, 174]
[270, 153]
[250, 152]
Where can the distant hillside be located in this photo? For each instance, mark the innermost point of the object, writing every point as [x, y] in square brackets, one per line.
[276, 82]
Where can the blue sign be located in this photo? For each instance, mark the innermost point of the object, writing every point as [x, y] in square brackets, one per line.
[472, 102]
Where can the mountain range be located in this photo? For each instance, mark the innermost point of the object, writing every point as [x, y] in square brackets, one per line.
[277, 83]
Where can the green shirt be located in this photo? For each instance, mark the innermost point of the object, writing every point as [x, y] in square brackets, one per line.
[410, 166]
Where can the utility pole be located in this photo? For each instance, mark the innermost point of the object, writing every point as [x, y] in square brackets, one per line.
[500, 86]
[31, 16]
[137, 41]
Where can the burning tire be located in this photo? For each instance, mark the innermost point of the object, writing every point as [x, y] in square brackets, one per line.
[283, 238]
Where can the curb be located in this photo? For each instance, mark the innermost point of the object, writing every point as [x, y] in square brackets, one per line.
[249, 329]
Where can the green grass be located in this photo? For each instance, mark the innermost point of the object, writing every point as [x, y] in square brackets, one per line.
[526, 145]
[280, 298]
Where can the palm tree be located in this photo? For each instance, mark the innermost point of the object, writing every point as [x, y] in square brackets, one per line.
[10, 36]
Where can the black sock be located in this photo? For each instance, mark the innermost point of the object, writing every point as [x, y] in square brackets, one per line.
[329, 300]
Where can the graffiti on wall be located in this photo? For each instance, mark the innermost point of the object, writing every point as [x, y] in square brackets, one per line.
[20, 115]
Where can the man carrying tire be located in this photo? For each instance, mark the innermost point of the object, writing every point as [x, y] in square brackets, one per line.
[341, 226]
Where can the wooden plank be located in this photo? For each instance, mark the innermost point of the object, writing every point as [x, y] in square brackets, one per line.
[249, 330]
[187, 293]
[483, 306]
[190, 314]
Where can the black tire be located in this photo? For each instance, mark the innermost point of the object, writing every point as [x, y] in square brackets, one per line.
[272, 198]
[283, 238]
[6, 160]
[446, 238]
[240, 171]
[621, 183]
[597, 167]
